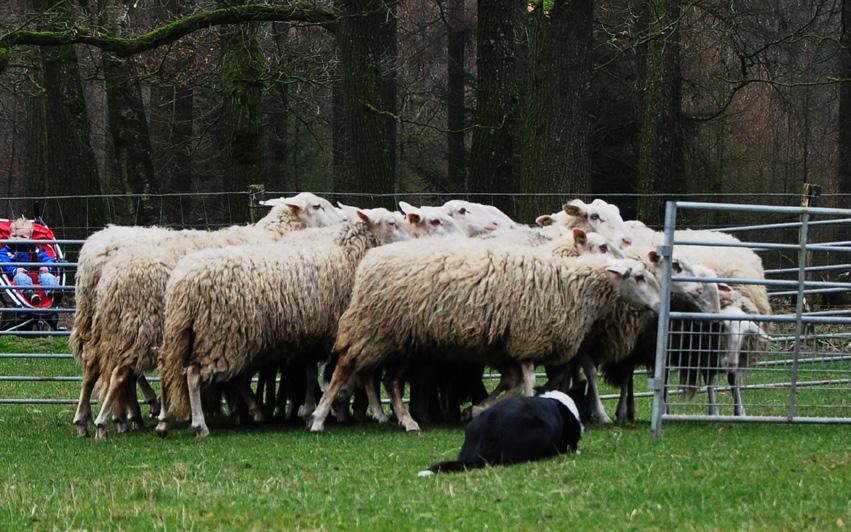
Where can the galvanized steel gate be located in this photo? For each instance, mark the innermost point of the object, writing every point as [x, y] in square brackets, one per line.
[800, 371]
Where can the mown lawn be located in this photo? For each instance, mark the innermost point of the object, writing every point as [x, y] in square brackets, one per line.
[707, 476]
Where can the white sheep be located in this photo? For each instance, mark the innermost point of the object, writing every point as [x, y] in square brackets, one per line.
[477, 219]
[216, 331]
[429, 221]
[597, 216]
[127, 326]
[507, 306]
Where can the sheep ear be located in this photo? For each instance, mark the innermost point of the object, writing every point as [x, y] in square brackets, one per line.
[272, 202]
[343, 205]
[406, 207]
[619, 268]
[575, 208]
[676, 266]
[579, 236]
[724, 287]
[365, 218]
[413, 218]
[295, 208]
[654, 257]
[544, 220]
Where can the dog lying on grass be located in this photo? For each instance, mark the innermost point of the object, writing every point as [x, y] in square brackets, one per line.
[520, 429]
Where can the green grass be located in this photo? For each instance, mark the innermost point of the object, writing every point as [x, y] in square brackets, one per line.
[694, 477]
[697, 476]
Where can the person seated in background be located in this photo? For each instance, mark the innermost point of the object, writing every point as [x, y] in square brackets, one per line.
[22, 229]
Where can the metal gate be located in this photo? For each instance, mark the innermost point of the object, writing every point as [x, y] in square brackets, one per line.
[795, 364]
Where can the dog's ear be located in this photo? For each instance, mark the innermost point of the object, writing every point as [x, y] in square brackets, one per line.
[579, 393]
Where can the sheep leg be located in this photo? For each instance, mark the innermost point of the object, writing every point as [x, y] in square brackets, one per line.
[630, 400]
[116, 381]
[91, 372]
[266, 390]
[317, 419]
[341, 402]
[311, 374]
[150, 396]
[393, 383]
[733, 381]
[374, 400]
[243, 386]
[621, 412]
[134, 410]
[527, 369]
[162, 418]
[193, 382]
[597, 410]
[710, 393]
[507, 381]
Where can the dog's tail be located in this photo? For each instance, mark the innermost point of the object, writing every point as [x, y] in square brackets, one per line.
[451, 466]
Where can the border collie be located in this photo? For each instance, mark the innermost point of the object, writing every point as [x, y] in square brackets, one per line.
[520, 429]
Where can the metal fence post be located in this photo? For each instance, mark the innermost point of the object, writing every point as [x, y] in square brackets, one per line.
[658, 384]
[253, 192]
[799, 302]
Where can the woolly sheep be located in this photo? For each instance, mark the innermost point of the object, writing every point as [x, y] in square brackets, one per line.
[214, 333]
[597, 216]
[127, 326]
[506, 306]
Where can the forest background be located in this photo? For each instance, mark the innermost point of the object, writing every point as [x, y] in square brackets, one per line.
[524, 104]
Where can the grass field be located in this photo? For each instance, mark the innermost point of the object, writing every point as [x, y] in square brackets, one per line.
[707, 476]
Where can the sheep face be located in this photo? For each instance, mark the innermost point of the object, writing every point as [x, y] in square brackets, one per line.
[702, 294]
[429, 221]
[599, 217]
[312, 210]
[636, 285]
[596, 244]
[389, 226]
[477, 219]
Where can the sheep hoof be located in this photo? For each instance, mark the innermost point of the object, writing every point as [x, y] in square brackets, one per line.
[383, 419]
[413, 427]
[317, 426]
[155, 409]
[101, 432]
[162, 429]
[257, 416]
[201, 431]
[82, 429]
[137, 424]
[121, 427]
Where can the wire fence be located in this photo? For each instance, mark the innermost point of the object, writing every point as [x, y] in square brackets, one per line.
[766, 376]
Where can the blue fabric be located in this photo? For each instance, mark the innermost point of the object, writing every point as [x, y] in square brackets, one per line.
[8, 255]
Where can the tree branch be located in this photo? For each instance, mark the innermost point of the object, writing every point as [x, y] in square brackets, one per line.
[293, 11]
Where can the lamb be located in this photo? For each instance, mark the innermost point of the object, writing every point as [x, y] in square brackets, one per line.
[214, 333]
[489, 303]
[597, 216]
[127, 326]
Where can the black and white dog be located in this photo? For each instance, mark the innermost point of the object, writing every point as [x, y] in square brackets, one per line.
[520, 429]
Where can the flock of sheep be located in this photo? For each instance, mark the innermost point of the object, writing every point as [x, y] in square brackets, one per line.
[429, 297]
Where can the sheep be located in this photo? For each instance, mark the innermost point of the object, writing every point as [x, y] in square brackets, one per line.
[127, 326]
[597, 216]
[731, 263]
[477, 219]
[485, 302]
[215, 334]
[429, 221]
[457, 381]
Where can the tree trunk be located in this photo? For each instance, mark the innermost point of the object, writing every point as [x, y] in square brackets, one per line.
[660, 164]
[555, 133]
[366, 44]
[243, 65]
[456, 42]
[494, 157]
[844, 183]
[277, 167]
